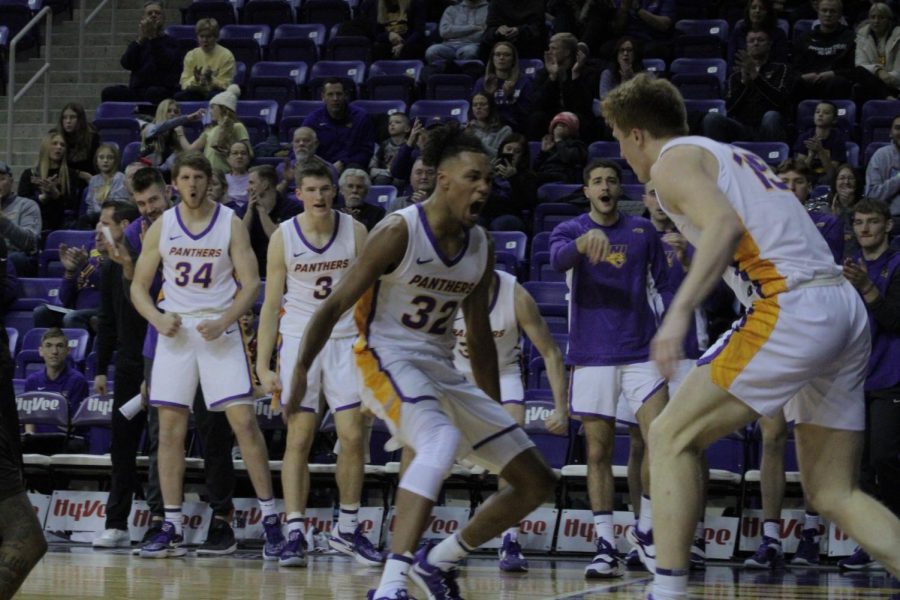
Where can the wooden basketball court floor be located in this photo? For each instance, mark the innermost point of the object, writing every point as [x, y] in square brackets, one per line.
[78, 571]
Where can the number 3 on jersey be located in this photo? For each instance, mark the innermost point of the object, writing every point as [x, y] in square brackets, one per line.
[422, 317]
[202, 277]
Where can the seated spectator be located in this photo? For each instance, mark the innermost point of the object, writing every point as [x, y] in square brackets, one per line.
[218, 189]
[878, 53]
[162, 139]
[882, 182]
[130, 170]
[58, 375]
[563, 86]
[629, 62]
[563, 155]
[304, 145]
[485, 124]
[402, 165]
[108, 183]
[759, 15]
[52, 183]
[399, 30]
[461, 29]
[82, 141]
[520, 22]
[650, 22]
[380, 165]
[514, 187]
[79, 294]
[845, 190]
[421, 183]
[346, 135]
[239, 158]
[208, 68]
[822, 147]
[589, 20]
[824, 57]
[153, 60]
[20, 226]
[266, 208]
[512, 89]
[216, 140]
[758, 96]
[798, 178]
[354, 185]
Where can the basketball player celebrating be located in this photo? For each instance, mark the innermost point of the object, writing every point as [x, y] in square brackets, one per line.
[310, 253]
[204, 251]
[744, 225]
[419, 265]
[612, 260]
[513, 310]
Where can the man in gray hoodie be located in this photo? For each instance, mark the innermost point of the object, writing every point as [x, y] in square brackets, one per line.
[20, 224]
[462, 27]
[883, 173]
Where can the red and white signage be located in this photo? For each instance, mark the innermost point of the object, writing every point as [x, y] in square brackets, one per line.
[248, 519]
[535, 531]
[41, 505]
[790, 530]
[77, 512]
[195, 520]
[839, 543]
[443, 522]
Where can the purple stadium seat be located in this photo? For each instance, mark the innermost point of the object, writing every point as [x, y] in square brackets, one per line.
[182, 32]
[852, 154]
[442, 86]
[78, 342]
[540, 242]
[278, 81]
[551, 296]
[541, 269]
[12, 336]
[871, 148]
[20, 320]
[701, 38]
[15, 16]
[326, 12]
[506, 262]
[699, 78]
[350, 71]
[552, 192]
[877, 116]
[220, 10]
[409, 68]
[297, 42]
[654, 65]
[266, 417]
[37, 291]
[43, 408]
[846, 115]
[292, 116]
[260, 117]
[604, 150]
[121, 131]
[381, 195]
[514, 242]
[117, 110]
[771, 152]
[530, 66]
[555, 448]
[550, 214]
[440, 109]
[246, 42]
[271, 13]
[349, 47]
[537, 375]
[94, 411]
[381, 107]
[90, 367]
[130, 153]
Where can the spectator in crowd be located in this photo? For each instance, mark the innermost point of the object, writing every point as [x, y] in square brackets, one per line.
[520, 22]
[266, 208]
[629, 62]
[380, 165]
[563, 85]
[822, 147]
[79, 293]
[759, 15]
[57, 375]
[512, 89]
[153, 60]
[82, 141]
[651, 22]
[208, 68]
[218, 189]
[108, 183]
[354, 185]
[51, 182]
[421, 183]
[216, 140]
[874, 270]
[304, 145]
[484, 122]
[402, 165]
[758, 97]
[20, 226]
[461, 29]
[130, 170]
[878, 53]
[345, 133]
[162, 139]
[845, 190]
[824, 57]
[591, 21]
[882, 181]
[563, 155]
[398, 29]
[239, 158]
[514, 187]
[799, 180]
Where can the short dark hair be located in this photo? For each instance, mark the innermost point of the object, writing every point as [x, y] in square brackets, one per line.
[447, 141]
[266, 172]
[601, 163]
[193, 160]
[871, 206]
[146, 177]
[334, 81]
[791, 164]
[122, 211]
[53, 333]
[313, 169]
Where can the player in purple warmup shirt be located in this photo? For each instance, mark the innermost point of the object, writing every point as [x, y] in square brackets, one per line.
[57, 376]
[615, 268]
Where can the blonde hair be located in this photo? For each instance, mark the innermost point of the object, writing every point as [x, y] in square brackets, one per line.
[645, 102]
[208, 25]
[402, 6]
[43, 166]
[103, 191]
[490, 72]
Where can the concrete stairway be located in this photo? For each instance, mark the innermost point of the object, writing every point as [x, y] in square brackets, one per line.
[100, 69]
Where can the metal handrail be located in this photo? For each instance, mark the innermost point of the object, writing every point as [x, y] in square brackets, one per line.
[47, 13]
[83, 25]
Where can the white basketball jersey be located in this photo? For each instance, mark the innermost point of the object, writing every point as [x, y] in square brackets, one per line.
[198, 275]
[504, 326]
[412, 309]
[781, 247]
[313, 272]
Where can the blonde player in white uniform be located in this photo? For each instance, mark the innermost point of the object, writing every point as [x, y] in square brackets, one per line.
[419, 266]
[744, 225]
[513, 310]
[308, 255]
[204, 251]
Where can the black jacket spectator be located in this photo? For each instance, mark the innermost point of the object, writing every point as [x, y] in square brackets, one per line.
[824, 57]
[525, 17]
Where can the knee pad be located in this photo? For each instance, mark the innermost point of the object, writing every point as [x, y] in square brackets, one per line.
[436, 448]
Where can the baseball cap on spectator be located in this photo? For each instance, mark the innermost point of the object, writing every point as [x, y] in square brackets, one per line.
[5, 169]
